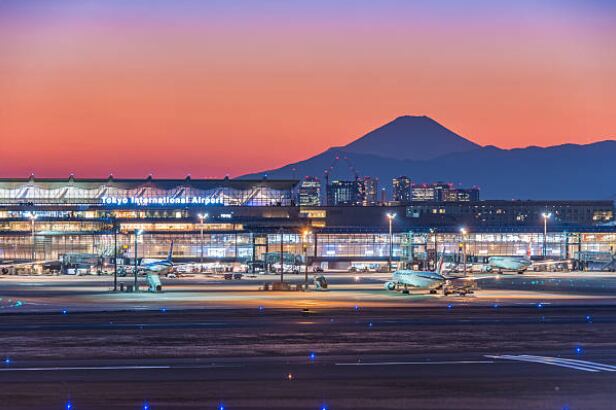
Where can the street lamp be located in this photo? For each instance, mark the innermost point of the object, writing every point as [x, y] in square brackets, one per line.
[305, 234]
[390, 219]
[433, 232]
[137, 233]
[32, 216]
[463, 231]
[546, 216]
[281, 255]
[202, 217]
[115, 254]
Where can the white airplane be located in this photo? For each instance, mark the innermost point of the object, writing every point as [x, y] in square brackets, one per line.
[158, 266]
[517, 264]
[405, 279]
[508, 263]
[10, 267]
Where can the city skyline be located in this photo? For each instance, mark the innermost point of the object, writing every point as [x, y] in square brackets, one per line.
[172, 88]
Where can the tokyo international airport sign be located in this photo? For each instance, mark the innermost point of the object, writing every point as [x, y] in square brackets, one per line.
[161, 200]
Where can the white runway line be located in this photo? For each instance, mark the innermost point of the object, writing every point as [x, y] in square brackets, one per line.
[414, 363]
[600, 366]
[59, 369]
[557, 361]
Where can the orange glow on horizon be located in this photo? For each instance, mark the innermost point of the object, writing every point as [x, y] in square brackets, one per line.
[178, 93]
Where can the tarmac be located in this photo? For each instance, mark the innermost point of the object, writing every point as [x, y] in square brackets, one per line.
[537, 341]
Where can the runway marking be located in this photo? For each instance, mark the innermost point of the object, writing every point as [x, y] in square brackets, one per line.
[576, 364]
[414, 363]
[59, 369]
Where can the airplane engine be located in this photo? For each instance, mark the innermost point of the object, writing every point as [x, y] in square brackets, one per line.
[390, 285]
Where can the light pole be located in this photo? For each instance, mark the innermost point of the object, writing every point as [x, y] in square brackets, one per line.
[433, 232]
[33, 217]
[546, 216]
[137, 233]
[115, 255]
[390, 219]
[202, 217]
[464, 232]
[305, 248]
[566, 250]
[281, 255]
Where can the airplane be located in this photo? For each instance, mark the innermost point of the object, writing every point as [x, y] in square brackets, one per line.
[158, 266]
[508, 263]
[517, 264]
[403, 279]
[10, 267]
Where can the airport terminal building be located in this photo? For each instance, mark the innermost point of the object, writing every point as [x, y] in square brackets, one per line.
[241, 221]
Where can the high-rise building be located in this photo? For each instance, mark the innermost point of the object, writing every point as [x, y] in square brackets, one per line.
[369, 189]
[429, 192]
[443, 192]
[402, 190]
[343, 193]
[461, 195]
[310, 192]
[360, 191]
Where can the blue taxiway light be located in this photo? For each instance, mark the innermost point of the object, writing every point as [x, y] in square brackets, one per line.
[164, 309]
[588, 318]
[7, 361]
[539, 305]
[356, 307]
[261, 308]
[313, 356]
[64, 311]
[578, 349]
[370, 324]
[146, 406]
[495, 306]
[221, 407]
[449, 306]
[69, 405]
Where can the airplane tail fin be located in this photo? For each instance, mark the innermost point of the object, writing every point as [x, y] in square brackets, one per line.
[439, 264]
[170, 255]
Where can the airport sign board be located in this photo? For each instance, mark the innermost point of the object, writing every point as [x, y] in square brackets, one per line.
[161, 200]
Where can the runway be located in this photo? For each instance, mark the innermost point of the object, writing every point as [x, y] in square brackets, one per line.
[440, 357]
[536, 341]
[434, 382]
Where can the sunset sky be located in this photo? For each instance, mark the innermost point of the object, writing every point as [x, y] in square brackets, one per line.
[216, 87]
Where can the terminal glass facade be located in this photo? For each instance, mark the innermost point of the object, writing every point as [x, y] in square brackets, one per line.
[235, 221]
[241, 247]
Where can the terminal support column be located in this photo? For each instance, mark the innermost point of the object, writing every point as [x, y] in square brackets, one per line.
[136, 261]
[281, 255]
[115, 256]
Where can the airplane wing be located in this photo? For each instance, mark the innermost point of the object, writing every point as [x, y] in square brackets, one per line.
[20, 264]
[471, 277]
[551, 262]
